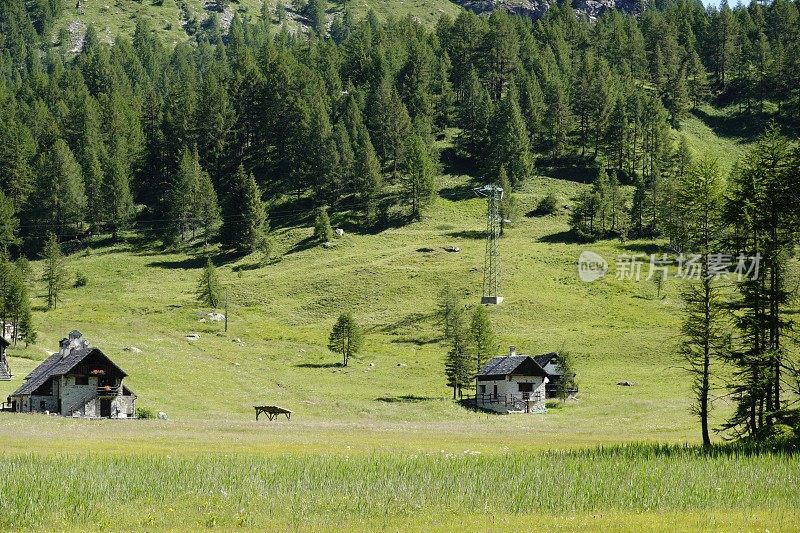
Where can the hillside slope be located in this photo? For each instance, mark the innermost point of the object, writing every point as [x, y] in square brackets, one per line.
[280, 316]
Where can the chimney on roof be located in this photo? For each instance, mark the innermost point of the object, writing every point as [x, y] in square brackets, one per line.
[64, 347]
[512, 351]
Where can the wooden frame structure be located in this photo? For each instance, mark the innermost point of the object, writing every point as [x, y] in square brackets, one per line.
[272, 411]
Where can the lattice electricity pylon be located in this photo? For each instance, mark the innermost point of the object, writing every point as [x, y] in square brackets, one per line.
[491, 262]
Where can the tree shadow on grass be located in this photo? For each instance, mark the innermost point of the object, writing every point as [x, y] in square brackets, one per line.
[467, 234]
[301, 246]
[734, 125]
[573, 168]
[199, 261]
[337, 364]
[411, 320]
[563, 237]
[406, 398]
[647, 248]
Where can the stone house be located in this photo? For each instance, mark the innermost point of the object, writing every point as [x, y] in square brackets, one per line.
[511, 384]
[78, 381]
[551, 364]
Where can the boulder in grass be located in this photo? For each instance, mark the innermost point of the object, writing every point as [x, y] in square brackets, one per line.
[162, 415]
[626, 383]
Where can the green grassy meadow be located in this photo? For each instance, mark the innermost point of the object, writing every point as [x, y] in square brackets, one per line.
[379, 444]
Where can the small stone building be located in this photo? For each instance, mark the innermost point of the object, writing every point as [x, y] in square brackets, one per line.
[551, 364]
[78, 381]
[511, 384]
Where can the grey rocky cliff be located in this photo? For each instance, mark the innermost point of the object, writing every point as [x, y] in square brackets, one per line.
[591, 9]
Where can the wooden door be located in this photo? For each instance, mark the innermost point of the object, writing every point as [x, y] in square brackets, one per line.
[105, 408]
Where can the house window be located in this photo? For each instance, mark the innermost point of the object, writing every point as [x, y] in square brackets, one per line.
[525, 387]
[495, 391]
[42, 406]
[482, 389]
[81, 380]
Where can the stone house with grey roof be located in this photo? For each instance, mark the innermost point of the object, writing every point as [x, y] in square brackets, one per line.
[79, 381]
[511, 384]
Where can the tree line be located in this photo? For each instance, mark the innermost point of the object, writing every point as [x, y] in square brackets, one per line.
[200, 139]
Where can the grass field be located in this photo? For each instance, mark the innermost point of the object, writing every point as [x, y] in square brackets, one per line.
[380, 444]
[664, 488]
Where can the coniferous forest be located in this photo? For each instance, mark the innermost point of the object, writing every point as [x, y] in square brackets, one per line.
[196, 142]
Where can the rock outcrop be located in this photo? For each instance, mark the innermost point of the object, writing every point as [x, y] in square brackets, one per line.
[591, 9]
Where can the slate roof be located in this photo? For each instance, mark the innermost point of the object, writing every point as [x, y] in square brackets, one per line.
[543, 360]
[55, 365]
[511, 364]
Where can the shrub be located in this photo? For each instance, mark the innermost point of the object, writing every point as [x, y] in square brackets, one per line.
[145, 413]
[547, 205]
[81, 279]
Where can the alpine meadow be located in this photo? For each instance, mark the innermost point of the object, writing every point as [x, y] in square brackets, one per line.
[399, 265]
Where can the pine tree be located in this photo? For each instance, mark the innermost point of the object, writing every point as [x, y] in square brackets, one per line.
[389, 124]
[205, 207]
[511, 145]
[346, 337]
[322, 226]
[244, 214]
[54, 274]
[9, 223]
[418, 174]
[458, 363]
[700, 196]
[118, 209]
[209, 289]
[315, 12]
[761, 207]
[475, 119]
[449, 311]
[366, 171]
[58, 204]
[179, 200]
[482, 341]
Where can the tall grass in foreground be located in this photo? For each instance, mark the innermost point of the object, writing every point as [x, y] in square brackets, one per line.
[247, 491]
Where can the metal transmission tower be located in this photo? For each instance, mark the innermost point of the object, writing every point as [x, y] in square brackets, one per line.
[491, 263]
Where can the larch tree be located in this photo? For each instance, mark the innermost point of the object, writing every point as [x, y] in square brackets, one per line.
[54, 273]
[346, 337]
[418, 174]
[700, 201]
[209, 289]
[244, 214]
[482, 341]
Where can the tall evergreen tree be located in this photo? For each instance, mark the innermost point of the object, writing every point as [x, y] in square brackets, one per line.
[244, 214]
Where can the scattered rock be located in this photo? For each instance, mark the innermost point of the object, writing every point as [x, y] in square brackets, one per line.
[425, 250]
[237, 340]
[452, 249]
[132, 349]
[372, 364]
[215, 317]
[402, 365]
[339, 232]
[626, 384]
[162, 415]
[193, 336]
